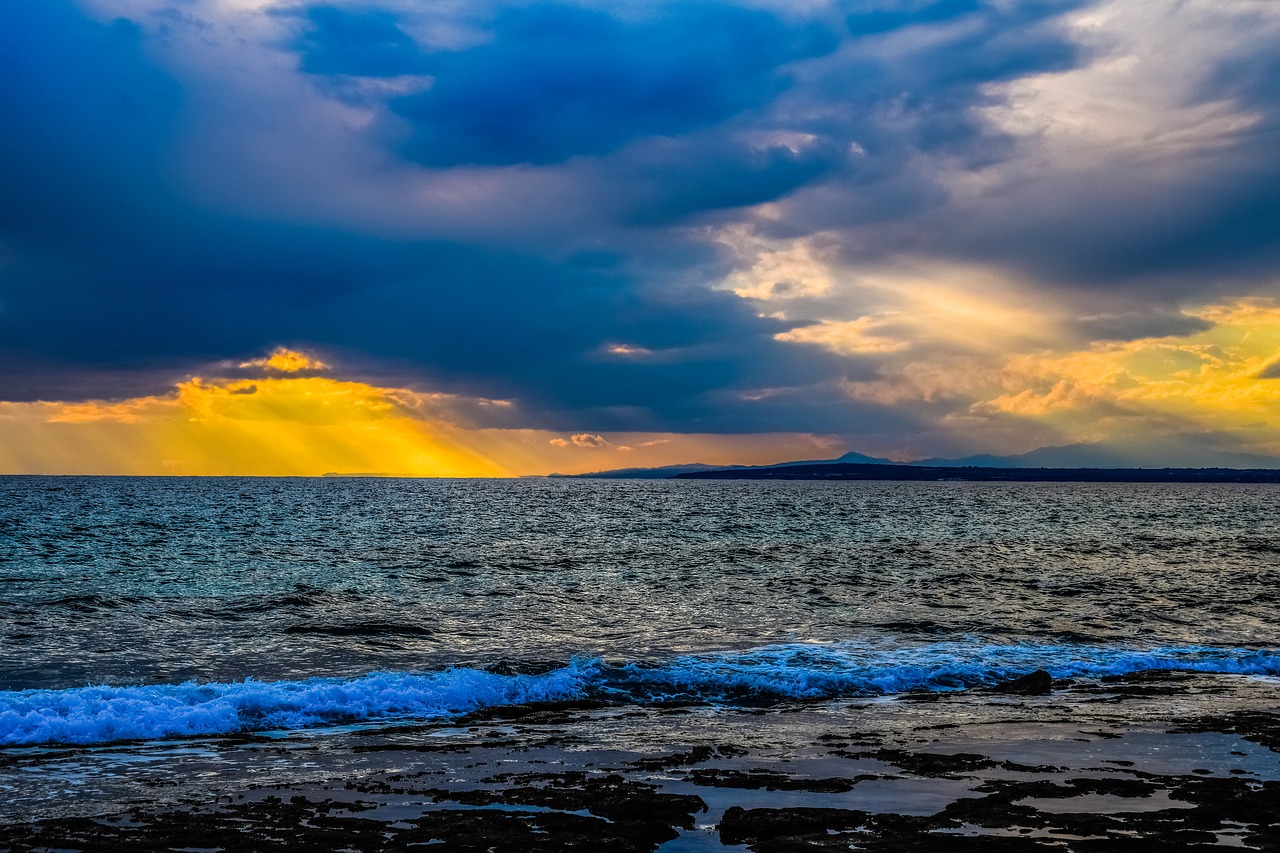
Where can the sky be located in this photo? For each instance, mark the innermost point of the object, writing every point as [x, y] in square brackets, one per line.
[467, 238]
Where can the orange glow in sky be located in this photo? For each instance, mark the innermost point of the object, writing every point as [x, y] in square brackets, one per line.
[289, 421]
[274, 425]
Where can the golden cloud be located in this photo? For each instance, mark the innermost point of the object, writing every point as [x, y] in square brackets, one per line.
[850, 337]
[285, 360]
[293, 423]
[285, 424]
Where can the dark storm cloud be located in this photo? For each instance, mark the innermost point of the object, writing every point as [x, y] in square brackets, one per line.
[547, 343]
[904, 93]
[360, 42]
[1164, 216]
[1134, 325]
[86, 118]
[667, 180]
[968, 42]
[1270, 371]
[553, 82]
[1215, 230]
[110, 271]
[115, 277]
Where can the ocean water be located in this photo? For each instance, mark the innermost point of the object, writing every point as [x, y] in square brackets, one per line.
[153, 607]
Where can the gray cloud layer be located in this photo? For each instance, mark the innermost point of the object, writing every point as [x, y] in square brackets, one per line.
[487, 202]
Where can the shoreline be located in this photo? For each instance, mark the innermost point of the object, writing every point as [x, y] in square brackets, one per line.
[1172, 761]
[886, 472]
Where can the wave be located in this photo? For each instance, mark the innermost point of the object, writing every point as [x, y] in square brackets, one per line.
[796, 671]
[92, 603]
[101, 714]
[362, 629]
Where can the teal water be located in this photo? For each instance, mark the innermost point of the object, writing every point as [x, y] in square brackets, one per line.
[355, 599]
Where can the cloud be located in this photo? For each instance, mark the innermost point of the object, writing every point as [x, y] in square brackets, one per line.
[356, 42]
[577, 219]
[1145, 167]
[289, 424]
[285, 360]
[850, 337]
[556, 81]
[581, 439]
[1210, 380]
[778, 270]
[294, 424]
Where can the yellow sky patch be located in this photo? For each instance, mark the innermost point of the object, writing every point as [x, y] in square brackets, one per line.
[281, 425]
[1211, 380]
[287, 424]
[287, 360]
[958, 347]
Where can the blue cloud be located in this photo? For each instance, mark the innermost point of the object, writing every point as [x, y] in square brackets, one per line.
[359, 42]
[88, 119]
[116, 278]
[114, 273]
[874, 18]
[554, 82]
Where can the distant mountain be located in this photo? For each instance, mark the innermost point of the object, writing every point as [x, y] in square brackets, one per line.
[849, 458]
[1107, 455]
[662, 473]
[1095, 455]
[921, 473]
[1066, 456]
[668, 471]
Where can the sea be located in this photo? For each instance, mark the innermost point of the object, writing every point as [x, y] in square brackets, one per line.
[162, 607]
[171, 610]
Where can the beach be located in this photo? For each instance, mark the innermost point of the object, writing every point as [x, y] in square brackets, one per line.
[1138, 763]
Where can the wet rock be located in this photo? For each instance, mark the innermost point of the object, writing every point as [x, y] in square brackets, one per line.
[929, 764]
[771, 780]
[622, 816]
[801, 829]
[755, 827]
[533, 713]
[630, 806]
[1257, 726]
[1036, 683]
[696, 755]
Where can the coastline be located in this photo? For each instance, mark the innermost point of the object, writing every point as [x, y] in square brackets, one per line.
[1157, 760]
[860, 472]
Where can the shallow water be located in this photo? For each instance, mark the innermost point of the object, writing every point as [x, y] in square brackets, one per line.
[473, 593]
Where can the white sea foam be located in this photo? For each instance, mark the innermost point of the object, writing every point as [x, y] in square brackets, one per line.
[807, 671]
[100, 714]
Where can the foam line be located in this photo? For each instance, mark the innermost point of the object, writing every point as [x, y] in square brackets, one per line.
[101, 714]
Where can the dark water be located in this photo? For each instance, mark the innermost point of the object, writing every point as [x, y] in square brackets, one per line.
[139, 607]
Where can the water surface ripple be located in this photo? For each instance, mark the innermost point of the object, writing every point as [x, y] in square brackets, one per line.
[132, 581]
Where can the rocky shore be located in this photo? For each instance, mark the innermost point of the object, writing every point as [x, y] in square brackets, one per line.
[1088, 766]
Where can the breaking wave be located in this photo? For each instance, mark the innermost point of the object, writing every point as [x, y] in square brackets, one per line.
[797, 671]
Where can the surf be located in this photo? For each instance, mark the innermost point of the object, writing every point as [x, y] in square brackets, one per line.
[97, 714]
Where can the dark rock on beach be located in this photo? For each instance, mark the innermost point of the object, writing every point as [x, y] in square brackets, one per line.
[568, 812]
[1004, 818]
[1035, 683]
[509, 784]
[301, 825]
[771, 781]
[632, 808]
